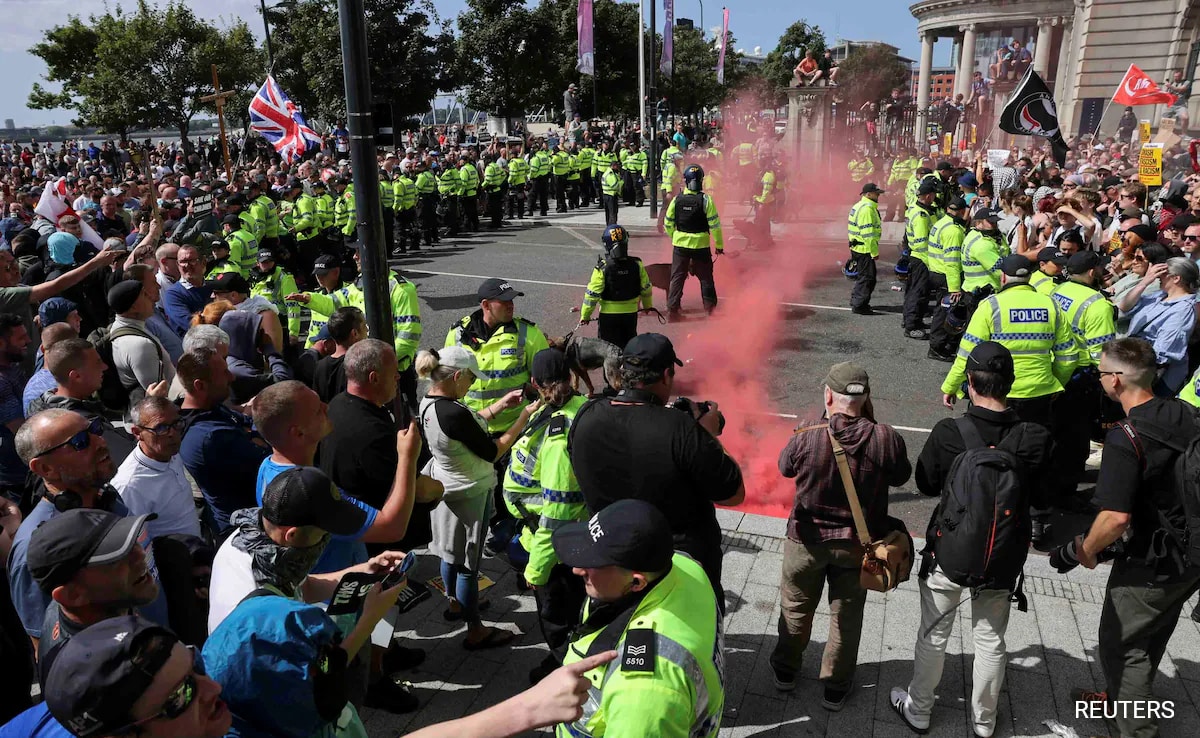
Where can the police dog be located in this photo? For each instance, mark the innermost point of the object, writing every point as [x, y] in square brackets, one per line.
[586, 354]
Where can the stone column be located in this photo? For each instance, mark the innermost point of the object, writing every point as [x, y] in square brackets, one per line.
[925, 71]
[1041, 49]
[966, 61]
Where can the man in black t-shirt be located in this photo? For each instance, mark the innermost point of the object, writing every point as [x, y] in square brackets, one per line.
[1151, 581]
[633, 446]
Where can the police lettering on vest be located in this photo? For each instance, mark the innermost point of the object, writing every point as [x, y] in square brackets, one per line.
[1028, 315]
[690, 215]
[622, 279]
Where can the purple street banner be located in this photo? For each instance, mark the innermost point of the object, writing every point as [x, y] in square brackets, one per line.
[668, 37]
[587, 55]
[723, 41]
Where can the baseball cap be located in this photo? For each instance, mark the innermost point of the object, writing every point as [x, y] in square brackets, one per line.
[265, 255]
[228, 282]
[218, 243]
[1083, 262]
[80, 538]
[497, 289]
[985, 214]
[943, 166]
[651, 351]
[325, 263]
[550, 365]
[457, 357]
[957, 203]
[1127, 213]
[848, 378]
[122, 295]
[968, 180]
[631, 534]
[323, 334]
[990, 356]
[1016, 266]
[304, 496]
[55, 310]
[870, 187]
[93, 681]
[1111, 182]
[1050, 253]
[231, 219]
[928, 188]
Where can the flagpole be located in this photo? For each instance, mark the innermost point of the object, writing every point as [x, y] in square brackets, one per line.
[1100, 122]
[642, 68]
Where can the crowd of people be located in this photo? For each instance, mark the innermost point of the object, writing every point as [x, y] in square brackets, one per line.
[214, 477]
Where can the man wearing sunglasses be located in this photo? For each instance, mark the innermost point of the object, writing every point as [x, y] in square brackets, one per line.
[94, 565]
[69, 455]
[153, 479]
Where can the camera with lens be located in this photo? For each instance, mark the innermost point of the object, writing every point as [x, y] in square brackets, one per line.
[704, 407]
[1066, 557]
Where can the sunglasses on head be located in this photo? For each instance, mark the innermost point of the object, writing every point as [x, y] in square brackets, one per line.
[80, 441]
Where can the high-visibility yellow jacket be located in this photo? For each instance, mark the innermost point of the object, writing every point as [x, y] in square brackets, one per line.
[864, 227]
[1090, 316]
[615, 302]
[505, 358]
[694, 235]
[920, 221]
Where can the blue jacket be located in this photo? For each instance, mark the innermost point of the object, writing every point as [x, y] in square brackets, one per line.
[181, 303]
[220, 453]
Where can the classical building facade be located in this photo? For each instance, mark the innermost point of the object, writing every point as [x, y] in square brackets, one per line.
[1081, 48]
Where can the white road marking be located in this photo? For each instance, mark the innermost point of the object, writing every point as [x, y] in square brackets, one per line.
[578, 235]
[819, 307]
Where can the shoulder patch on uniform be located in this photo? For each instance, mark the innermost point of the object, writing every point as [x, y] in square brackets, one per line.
[526, 320]
[558, 424]
[639, 654]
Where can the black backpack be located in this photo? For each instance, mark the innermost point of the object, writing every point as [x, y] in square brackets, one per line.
[981, 529]
[113, 394]
[1182, 484]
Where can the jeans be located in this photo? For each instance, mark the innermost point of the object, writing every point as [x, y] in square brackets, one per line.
[989, 620]
[1136, 621]
[805, 570]
[463, 585]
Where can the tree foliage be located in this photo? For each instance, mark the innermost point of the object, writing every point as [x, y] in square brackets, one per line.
[870, 73]
[411, 55]
[693, 84]
[147, 68]
[782, 60]
[500, 44]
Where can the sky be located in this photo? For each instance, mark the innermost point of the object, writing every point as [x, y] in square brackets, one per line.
[752, 22]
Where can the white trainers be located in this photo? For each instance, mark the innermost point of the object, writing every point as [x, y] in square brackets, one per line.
[900, 703]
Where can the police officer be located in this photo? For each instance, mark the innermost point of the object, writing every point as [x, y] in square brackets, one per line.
[387, 202]
[518, 177]
[982, 250]
[1091, 319]
[274, 283]
[864, 230]
[405, 202]
[218, 254]
[765, 201]
[243, 248]
[468, 193]
[601, 164]
[656, 607]
[1050, 265]
[635, 175]
[539, 170]
[266, 212]
[427, 201]
[589, 182]
[945, 276]
[916, 290]
[690, 220]
[406, 318]
[861, 167]
[1032, 328]
[504, 346]
[449, 189]
[302, 222]
[560, 166]
[620, 287]
[493, 180]
[611, 183]
[670, 188]
[542, 493]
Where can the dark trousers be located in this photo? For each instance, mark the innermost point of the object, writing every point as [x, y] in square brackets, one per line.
[691, 261]
[539, 195]
[1075, 412]
[610, 209]
[470, 206]
[560, 193]
[587, 189]
[450, 219]
[630, 186]
[864, 284]
[495, 213]
[1034, 409]
[406, 233]
[573, 193]
[916, 295]
[427, 214]
[516, 201]
[559, 601]
[939, 339]
[617, 328]
[1136, 621]
[389, 226]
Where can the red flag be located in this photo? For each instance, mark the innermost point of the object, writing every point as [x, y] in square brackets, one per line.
[1138, 89]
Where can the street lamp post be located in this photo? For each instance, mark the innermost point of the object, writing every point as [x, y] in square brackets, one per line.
[701, 17]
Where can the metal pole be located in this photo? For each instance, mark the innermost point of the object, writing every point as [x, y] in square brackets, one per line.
[642, 66]
[701, 17]
[267, 35]
[367, 203]
[654, 117]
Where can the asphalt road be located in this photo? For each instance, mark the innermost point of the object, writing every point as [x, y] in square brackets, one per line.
[782, 320]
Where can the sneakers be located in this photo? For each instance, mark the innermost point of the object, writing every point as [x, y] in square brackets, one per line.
[835, 699]
[785, 681]
[899, 703]
[939, 356]
[917, 334]
[392, 697]
[863, 310]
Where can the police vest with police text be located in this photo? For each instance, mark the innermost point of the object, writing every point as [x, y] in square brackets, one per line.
[690, 214]
[622, 279]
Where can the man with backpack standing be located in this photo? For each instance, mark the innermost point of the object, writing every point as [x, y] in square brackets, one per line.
[1146, 503]
[986, 456]
[821, 544]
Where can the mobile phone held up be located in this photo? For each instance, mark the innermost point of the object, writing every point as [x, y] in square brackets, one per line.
[397, 574]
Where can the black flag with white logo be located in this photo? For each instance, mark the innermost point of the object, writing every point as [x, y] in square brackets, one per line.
[1030, 112]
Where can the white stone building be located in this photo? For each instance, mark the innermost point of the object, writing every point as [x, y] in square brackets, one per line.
[1081, 48]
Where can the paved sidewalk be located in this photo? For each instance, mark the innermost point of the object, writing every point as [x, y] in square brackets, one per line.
[1052, 650]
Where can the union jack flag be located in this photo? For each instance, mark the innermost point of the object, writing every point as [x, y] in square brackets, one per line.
[275, 116]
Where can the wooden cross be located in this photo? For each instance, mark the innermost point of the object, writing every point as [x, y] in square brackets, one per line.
[219, 98]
